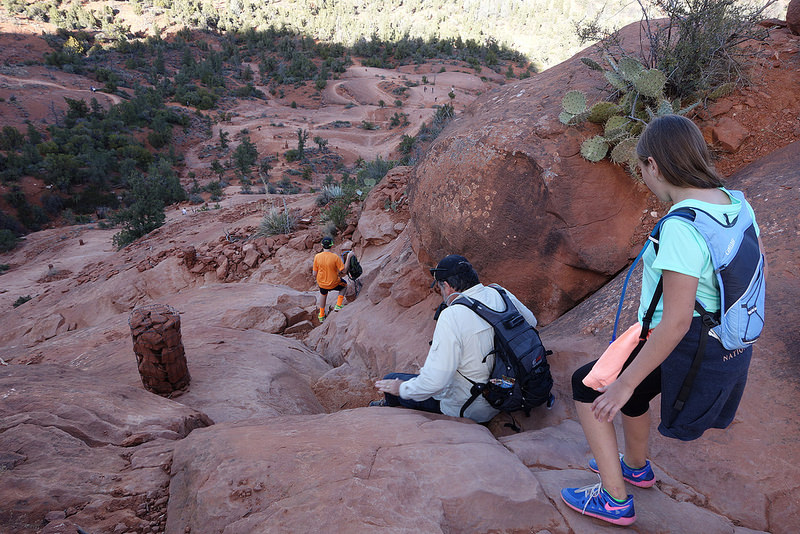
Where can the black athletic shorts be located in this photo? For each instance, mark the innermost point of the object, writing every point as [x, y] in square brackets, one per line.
[714, 396]
[342, 285]
[639, 402]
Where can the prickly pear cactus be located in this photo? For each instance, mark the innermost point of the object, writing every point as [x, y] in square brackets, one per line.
[616, 80]
[595, 148]
[574, 102]
[637, 98]
[616, 123]
[651, 83]
[592, 64]
[600, 112]
[625, 152]
[630, 68]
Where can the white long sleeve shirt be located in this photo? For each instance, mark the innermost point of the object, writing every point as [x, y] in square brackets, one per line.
[461, 340]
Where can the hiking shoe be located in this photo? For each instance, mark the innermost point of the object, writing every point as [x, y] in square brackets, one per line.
[381, 402]
[338, 307]
[643, 477]
[595, 501]
[321, 317]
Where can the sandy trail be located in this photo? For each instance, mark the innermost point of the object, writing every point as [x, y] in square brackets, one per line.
[25, 83]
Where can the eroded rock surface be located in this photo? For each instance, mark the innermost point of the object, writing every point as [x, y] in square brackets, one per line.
[354, 471]
[76, 444]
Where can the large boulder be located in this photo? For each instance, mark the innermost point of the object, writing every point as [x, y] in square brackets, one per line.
[354, 471]
[505, 185]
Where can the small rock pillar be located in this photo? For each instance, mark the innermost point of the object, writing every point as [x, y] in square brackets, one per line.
[156, 333]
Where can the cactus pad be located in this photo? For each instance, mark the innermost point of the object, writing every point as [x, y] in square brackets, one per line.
[651, 83]
[625, 151]
[592, 64]
[574, 102]
[630, 68]
[565, 117]
[614, 124]
[665, 108]
[595, 148]
[616, 80]
[600, 112]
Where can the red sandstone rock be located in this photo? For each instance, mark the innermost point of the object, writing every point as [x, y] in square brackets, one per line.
[69, 428]
[271, 483]
[300, 327]
[264, 318]
[729, 133]
[793, 16]
[527, 210]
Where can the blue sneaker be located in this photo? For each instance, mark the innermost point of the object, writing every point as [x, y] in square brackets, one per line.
[595, 501]
[642, 477]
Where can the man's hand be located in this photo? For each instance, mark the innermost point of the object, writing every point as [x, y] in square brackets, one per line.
[391, 387]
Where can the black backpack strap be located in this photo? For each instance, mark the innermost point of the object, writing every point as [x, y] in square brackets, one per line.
[709, 322]
[477, 387]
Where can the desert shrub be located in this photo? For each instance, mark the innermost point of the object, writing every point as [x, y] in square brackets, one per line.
[277, 221]
[287, 187]
[215, 188]
[329, 193]
[292, 155]
[398, 119]
[245, 155]
[148, 195]
[699, 47]
[372, 172]
[336, 214]
[4, 267]
[22, 300]
[406, 144]
[8, 240]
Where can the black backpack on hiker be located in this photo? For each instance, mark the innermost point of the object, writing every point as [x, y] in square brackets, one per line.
[354, 269]
[520, 378]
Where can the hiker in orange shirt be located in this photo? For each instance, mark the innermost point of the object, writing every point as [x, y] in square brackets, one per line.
[329, 270]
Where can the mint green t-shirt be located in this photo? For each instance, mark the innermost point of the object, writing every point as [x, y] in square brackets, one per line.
[683, 250]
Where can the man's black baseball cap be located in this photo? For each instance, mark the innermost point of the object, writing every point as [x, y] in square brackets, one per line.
[449, 266]
[327, 242]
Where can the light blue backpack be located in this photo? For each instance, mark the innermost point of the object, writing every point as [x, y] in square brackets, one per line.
[739, 266]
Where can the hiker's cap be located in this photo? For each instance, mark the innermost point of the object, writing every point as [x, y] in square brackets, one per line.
[449, 266]
[327, 242]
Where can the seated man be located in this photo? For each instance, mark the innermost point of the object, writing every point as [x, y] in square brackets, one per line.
[461, 340]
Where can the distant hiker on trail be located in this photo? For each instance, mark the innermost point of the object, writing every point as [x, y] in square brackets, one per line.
[328, 270]
[684, 346]
[461, 342]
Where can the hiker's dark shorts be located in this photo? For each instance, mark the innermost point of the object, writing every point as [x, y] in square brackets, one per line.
[340, 287]
[714, 396]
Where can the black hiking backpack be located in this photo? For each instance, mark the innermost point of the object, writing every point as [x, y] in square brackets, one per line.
[354, 270]
[520, 378]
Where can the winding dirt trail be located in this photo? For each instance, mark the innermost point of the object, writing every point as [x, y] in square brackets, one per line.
[339, 113]
[24, 83]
